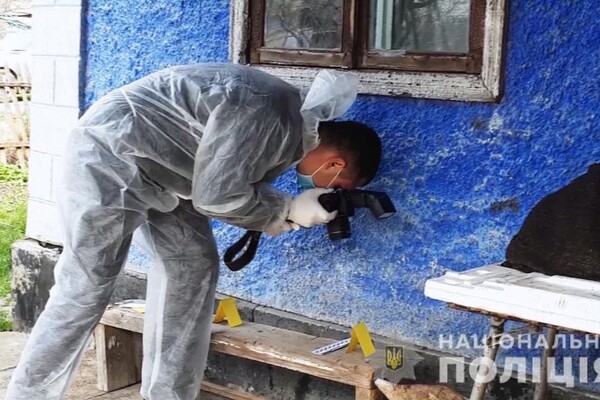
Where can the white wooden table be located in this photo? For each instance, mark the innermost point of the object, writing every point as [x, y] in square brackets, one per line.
[554, 302]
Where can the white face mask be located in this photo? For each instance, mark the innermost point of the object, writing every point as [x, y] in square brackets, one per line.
[307, 182]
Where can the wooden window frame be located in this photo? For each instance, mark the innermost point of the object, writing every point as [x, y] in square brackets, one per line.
[474, 77]
[354, 50]
[423, 61]
[340, 58]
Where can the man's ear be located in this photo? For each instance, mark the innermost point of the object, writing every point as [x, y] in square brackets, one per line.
[337, 162]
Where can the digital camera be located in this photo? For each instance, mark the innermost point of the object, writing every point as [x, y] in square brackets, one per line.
[346, 201]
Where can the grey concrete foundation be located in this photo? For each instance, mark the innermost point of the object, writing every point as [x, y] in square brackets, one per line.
[31, 280]
[33, 266]
[32, 277]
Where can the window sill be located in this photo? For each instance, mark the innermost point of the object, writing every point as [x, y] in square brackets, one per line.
[443, 86]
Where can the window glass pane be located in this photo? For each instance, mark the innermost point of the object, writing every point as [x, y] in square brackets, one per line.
[303, 24]
[420, 25]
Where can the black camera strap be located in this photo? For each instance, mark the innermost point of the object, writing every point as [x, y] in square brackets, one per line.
[248, 245]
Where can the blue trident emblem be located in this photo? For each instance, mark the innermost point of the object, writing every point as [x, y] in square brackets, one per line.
[394, 357]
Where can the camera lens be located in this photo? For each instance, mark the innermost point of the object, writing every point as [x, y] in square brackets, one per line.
[339, 228]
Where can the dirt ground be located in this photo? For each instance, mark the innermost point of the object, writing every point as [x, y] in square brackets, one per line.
[84, 384]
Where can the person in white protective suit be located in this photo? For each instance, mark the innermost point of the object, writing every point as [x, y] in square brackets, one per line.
[166, 154]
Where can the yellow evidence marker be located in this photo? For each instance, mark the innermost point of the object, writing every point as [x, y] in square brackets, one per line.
[361, 336]
[227, 310]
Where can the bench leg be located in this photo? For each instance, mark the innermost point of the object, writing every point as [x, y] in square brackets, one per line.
[491, 349]
[119, 355]
[368, 394]
[541, 389]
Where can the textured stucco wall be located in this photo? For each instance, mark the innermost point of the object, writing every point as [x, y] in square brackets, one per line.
[463, 175]
[128, 39]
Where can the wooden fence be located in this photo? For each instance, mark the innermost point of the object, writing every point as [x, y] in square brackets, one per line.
[15, 96]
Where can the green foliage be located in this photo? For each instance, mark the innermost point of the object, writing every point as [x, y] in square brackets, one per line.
[5, 322]
[10, 173]
[13, 212]
[12, 228]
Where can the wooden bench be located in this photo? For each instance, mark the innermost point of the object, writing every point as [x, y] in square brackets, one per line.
[119, 351]
[538, 300]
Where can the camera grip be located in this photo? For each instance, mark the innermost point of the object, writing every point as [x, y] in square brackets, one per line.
[328, 201]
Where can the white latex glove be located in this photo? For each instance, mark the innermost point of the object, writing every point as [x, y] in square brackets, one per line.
[278, 229]
[306, 210]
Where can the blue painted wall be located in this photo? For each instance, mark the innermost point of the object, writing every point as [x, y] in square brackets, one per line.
[463, 175]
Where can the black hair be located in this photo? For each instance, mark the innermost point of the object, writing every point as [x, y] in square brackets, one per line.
[358, 142]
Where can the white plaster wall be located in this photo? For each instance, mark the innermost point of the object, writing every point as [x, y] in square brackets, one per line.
[54, 107]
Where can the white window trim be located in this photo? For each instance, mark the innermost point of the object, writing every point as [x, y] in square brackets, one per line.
[485, 87]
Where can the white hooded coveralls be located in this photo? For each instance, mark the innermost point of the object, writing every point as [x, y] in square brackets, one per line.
[165, 154]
